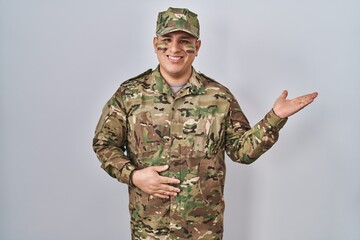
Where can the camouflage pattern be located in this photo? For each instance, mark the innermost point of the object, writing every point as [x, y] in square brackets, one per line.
[145, 124]
[178, 19]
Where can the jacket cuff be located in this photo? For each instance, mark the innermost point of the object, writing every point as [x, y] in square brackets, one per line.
[125, 175]
[274, 120]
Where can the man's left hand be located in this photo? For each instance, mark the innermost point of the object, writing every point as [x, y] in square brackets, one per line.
[286, 107]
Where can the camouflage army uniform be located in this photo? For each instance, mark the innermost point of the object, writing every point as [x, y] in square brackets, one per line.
[145, 124]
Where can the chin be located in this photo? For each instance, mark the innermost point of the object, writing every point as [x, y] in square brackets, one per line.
[174, 71]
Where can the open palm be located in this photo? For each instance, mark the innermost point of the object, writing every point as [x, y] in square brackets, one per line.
[286, 107]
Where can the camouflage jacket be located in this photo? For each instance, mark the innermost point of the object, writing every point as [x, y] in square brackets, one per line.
[145, 124]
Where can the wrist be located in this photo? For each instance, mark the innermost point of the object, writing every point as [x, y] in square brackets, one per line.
[133, 178]
[274, 120]
[278, 113]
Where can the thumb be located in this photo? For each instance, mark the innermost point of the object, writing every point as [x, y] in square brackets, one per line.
[284, 94]
[160, 168]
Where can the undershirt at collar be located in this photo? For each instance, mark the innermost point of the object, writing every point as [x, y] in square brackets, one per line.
[176, 87]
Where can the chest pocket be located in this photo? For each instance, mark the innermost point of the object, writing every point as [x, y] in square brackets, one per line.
[147, 131]
[193, 132]
[204, 134]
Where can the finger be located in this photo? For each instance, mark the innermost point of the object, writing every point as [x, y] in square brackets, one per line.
[163, 192]
[284, 94]
[169, 180]
[169, 188]
[314, 95]
[309, 96]
[307, 99]
[160, 168]
[166, 193]
[160, 195]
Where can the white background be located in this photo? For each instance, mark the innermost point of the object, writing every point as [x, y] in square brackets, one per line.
[62, 60]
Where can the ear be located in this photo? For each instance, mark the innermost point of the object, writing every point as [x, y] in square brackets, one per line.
[197, 46]
[155, 43]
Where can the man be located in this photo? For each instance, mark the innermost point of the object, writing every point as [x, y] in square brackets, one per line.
[165, 132]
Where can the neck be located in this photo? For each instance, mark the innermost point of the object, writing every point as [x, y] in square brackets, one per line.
[176, 79]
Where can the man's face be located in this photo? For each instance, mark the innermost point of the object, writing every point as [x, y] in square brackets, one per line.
[176, 52]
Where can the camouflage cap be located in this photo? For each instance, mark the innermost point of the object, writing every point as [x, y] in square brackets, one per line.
[178, 19]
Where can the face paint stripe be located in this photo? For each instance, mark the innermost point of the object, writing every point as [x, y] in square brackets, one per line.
[161, 48]
[190, 49]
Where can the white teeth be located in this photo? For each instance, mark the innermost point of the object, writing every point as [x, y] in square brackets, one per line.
[174, 58]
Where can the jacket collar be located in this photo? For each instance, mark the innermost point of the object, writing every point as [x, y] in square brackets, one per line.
[193, 86]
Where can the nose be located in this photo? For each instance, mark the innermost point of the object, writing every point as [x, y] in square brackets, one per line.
[174, 47]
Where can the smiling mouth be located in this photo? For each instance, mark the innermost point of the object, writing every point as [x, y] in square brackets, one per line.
[174, 58]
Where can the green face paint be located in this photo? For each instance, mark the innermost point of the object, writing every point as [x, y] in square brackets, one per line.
[162, 46]
[184, 45]
[190, 48]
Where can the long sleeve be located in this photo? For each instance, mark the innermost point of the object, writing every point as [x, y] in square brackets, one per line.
[110, 141]
[245, 144]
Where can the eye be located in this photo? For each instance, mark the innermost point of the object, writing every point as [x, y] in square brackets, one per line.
[184, 41]
[167, 40]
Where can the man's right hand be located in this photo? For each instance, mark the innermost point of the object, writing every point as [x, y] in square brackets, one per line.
[149, 181]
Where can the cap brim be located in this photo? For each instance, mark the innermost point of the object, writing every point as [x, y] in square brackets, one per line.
[172, 29]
